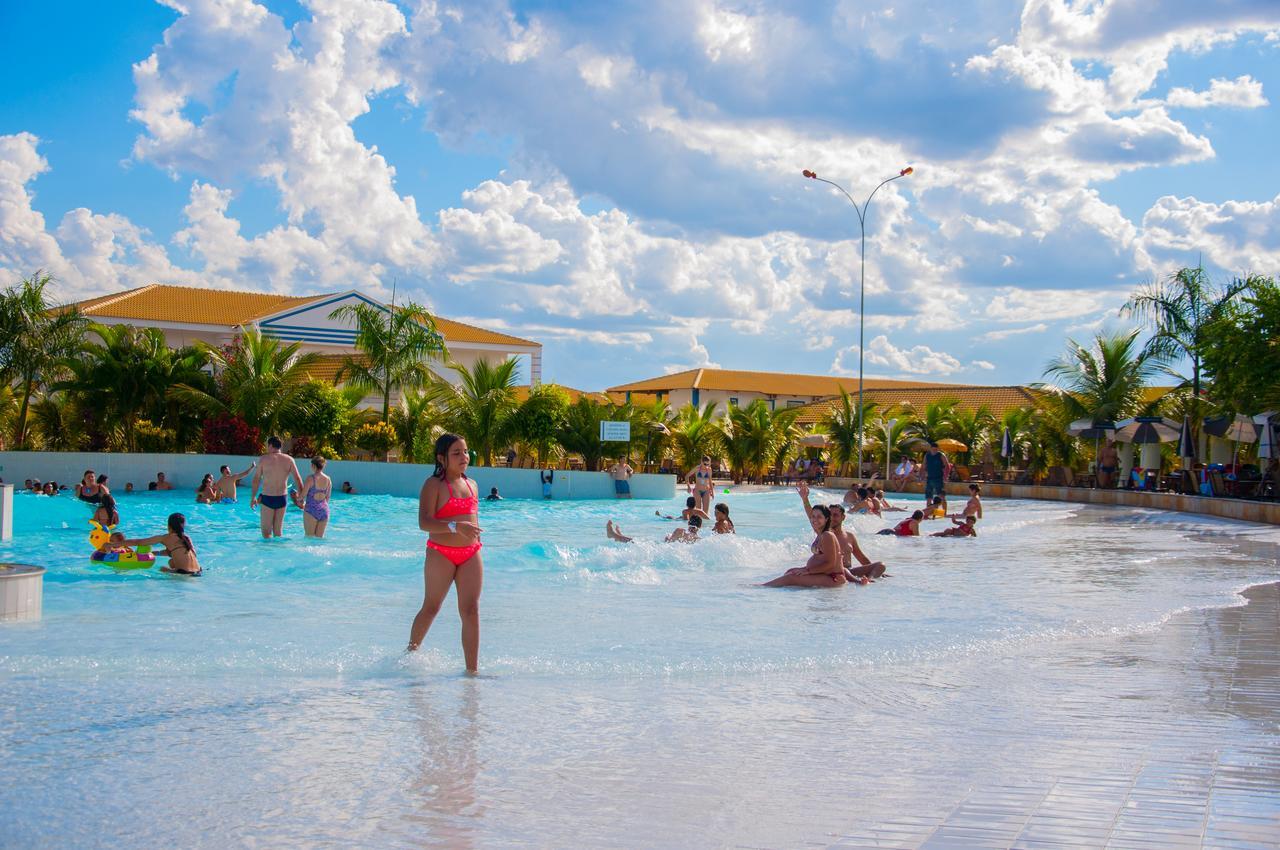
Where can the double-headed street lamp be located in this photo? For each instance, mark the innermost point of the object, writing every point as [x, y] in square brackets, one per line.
[862, 295]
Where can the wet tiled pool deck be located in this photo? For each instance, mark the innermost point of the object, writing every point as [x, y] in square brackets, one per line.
[1174, 742]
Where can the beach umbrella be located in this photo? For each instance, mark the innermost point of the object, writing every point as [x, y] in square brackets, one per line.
[1006, 448]
[1145, 430]
[1267, 439]
[814, 441]
[949, 445]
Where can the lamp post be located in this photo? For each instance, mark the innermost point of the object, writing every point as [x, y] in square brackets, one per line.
[889, 425]
[862, 294]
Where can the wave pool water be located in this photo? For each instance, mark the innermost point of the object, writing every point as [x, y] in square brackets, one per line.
[272, 694]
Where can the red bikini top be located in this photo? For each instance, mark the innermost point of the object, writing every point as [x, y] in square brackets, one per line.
[457, 506]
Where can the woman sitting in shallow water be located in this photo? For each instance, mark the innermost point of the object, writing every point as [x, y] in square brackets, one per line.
[680, 535]
[823, 568]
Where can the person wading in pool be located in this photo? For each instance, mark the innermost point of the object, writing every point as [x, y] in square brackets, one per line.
[935, 467]
[314, 499]
[274, 471]
[699, 482]
[226, 485]
[448, 510]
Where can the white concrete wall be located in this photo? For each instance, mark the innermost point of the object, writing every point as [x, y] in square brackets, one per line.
[396, 479]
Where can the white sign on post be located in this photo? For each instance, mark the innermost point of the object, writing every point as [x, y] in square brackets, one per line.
[615, 432]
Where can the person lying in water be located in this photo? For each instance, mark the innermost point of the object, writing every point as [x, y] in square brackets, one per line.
[973, 507]
[724, 525]
[680, 535]
[177, 545]
[849, 548]
[823, 569]
[884, 503]
[959, 528]
[909, 527]
[691, 510]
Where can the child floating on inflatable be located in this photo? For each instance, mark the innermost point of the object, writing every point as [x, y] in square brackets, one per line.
[112, 549]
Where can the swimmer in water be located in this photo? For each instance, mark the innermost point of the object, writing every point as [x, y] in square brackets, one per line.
[724, 525]
[106, 514]
[228, 480]
[959, 528]
[680, 535]
[823, 569]
[314, 500]
[909, 527]
[691, 510]
[177, 545]
[885, 507]
[207, 494]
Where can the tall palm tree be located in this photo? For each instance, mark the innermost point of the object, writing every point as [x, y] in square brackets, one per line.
[651, 431]
[581, 432]
[57, 420]
[755, 433]
[394, 344]
[1178, 311]
[695, 434]
[1105, 380]
[481, 406]
[841, 427]
[896, 441]
[540, 419]
[258, 378]
[34, 339]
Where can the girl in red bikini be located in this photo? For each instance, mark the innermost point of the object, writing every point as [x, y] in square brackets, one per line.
[448, 509]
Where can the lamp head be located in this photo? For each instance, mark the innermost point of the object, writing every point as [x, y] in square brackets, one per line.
[812, 175]
[904, 172]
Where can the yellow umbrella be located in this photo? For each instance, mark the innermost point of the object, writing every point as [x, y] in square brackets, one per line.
[949, 445]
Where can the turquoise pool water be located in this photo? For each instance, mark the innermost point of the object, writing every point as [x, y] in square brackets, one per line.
[270, 701]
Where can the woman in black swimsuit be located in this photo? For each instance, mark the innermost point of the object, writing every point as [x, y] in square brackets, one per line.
[89, 490]
[177, 545]
[106, 515]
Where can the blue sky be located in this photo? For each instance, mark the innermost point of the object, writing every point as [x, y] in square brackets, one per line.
[622, 181]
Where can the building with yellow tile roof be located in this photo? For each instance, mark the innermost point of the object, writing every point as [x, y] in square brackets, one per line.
[188, 315]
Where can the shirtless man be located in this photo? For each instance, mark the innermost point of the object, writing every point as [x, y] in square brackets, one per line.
[162, 483]
[1108, 463]
[621, 473]
[226, 485]
[273, 474]
[699, 483]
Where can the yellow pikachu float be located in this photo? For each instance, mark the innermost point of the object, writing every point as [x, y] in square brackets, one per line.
[124, 559]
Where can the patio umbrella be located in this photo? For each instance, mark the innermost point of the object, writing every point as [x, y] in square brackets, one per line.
[1006, 448]
[1239, 428]
[815, 441]
[949, 445]
[1267, 439]
[1094, 429]
[1144, 430]
[1186, 446]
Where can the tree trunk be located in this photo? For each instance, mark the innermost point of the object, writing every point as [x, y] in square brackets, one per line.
[20, 428]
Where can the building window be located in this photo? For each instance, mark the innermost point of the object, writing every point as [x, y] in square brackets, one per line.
[772, 402]
[793, 403]
[733, 401]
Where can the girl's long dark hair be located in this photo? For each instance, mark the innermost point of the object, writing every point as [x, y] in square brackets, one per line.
[826, 514]
[178, 525]
[443, 443]
[108, 504]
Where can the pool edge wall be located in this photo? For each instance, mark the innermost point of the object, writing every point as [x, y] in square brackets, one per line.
[394, 479]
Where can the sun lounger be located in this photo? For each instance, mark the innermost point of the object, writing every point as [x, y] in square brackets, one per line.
[1218, 483]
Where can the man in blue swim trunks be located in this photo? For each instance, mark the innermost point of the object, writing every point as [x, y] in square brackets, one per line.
[935, 465]
[621, 473]
[275, 469]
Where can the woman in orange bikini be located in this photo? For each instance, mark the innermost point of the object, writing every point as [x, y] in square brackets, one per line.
[448, 508]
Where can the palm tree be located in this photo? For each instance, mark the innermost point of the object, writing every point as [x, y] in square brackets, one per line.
[481, 406]
[34, 339]
[937, 422]
[841, 426]
[259, 379]
[1178, 311]
[971, 428]
[1106, 380]
[754, 435]
[695, 434]
[651, 431]
[540, 419]
[394, 347]
[898, 439]
[57, 420]
[126, 375]
[417, 423]
[581, 432]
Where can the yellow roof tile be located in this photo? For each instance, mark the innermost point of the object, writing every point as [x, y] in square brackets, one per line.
[193, 305]
[997, 399]
[769, 383]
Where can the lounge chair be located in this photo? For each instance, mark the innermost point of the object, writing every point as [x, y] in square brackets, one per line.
[1187, 483]
[1218, 483]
